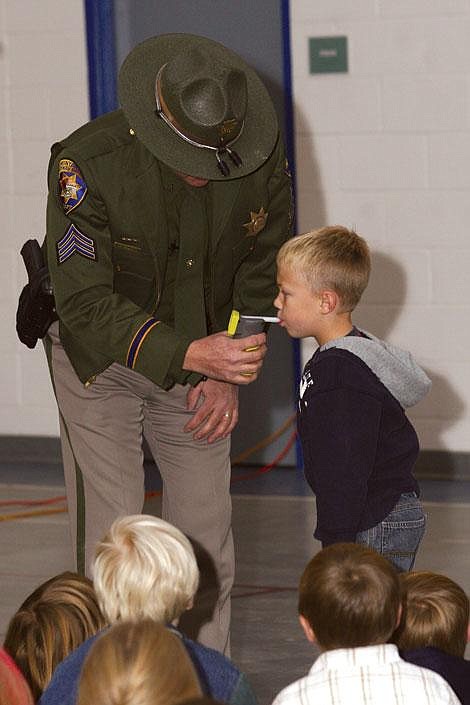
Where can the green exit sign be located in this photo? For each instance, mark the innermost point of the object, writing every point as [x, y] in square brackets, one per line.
[328, 54]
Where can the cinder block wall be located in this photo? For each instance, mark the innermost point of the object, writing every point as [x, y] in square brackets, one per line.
[43, 96]
[386, 148]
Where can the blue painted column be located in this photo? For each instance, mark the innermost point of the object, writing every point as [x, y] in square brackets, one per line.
[290, 149]
[102, 69]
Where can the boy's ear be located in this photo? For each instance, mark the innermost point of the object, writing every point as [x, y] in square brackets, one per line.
[308, 631]
[190, 604]
[328, 301]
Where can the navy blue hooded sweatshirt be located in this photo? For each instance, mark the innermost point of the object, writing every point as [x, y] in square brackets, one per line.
[359, 446]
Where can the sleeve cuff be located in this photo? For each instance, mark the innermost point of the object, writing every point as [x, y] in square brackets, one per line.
[157, 352]
[179, 374]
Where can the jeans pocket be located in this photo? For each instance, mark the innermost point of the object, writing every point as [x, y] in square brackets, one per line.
[398, 536]
[401, 539]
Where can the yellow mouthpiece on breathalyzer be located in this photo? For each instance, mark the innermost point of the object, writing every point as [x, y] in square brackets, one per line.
[233, 323]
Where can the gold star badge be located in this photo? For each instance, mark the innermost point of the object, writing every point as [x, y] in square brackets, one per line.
[257, 222]
[69, 187]
[72, 186]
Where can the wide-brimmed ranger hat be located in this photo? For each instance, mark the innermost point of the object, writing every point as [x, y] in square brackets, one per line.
[197, 106]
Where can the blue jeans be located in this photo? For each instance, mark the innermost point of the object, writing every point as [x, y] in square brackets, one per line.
[398, 536]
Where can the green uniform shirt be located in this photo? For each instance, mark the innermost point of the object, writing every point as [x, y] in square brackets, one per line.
[108, 241]
[175, 193]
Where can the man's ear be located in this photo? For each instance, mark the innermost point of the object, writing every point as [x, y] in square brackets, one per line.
[328, 301]
[308, 631]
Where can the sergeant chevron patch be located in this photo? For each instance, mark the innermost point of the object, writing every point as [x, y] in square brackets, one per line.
[75, 242]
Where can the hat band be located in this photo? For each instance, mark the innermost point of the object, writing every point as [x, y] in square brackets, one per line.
[219, 151]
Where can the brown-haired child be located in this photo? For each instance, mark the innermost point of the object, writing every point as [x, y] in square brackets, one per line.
[434, 629]
[349, 605]
[51, 623]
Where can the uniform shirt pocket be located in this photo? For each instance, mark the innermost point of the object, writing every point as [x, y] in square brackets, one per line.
[134, 274]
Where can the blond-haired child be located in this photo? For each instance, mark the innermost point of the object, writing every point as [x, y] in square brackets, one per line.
[359, 447]
[138, 662]
[145, 568]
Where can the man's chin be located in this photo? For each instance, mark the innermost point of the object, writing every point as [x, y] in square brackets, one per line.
[194, 181]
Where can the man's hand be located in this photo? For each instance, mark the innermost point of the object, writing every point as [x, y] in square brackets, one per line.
[234, 360]
[217, 415]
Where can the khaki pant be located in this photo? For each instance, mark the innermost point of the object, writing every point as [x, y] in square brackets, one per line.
[101, 433]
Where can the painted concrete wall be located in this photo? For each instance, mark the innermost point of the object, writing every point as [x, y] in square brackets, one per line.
[43, 96]
[386, 148]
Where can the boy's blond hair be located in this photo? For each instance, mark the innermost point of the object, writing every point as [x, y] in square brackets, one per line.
[330, 258]
[144, 568]
[137, 662]
[51, 623]
[350, 596]
[435, 613]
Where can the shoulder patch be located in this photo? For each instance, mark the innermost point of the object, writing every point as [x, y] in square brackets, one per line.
[72, 185]
[75, 242]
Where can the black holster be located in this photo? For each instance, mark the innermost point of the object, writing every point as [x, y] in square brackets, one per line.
[36, 305]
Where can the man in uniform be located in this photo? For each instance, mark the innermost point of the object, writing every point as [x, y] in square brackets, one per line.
[162, 217]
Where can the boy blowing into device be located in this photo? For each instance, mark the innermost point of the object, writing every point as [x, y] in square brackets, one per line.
[359, 447]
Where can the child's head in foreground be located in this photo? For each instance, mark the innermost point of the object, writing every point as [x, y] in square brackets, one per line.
[435, 613]
[144, 568]
[51, 623]
[349, 596]
[138, 662]
[320, 273]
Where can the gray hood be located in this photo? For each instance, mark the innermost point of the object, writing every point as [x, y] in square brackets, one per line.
[395, 367]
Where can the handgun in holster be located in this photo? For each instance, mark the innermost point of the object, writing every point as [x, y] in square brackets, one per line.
[36, 305]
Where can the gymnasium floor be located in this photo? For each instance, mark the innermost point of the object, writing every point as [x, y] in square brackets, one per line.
[273, 516]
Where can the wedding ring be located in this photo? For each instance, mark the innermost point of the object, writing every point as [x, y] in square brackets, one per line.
[227, 414]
